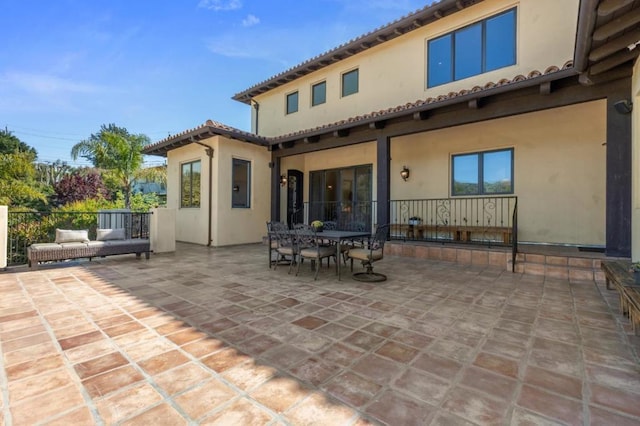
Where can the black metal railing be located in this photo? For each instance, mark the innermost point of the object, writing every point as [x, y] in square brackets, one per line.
[29, 227]
[514, 246]
[479, 220]
[345, 214]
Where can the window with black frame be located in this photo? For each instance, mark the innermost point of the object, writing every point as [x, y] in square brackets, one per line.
[241, 184]
[475, 49]
[482, 173]
[190, 184]
[341, 195]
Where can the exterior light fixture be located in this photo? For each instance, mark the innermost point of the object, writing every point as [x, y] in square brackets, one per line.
[623, 107]
[283, 180]
[404, 173]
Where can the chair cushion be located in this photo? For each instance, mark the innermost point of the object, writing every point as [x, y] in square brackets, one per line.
[365, 254]
[110, 234]
[72, 236]
[321, 251]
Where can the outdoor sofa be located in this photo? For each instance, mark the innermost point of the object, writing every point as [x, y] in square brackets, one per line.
[75, 244]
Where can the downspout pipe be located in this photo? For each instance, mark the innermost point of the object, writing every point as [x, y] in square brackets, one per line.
[209, 152]
[256, 106]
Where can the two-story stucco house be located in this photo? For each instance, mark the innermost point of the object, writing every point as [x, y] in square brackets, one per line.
[468, 120]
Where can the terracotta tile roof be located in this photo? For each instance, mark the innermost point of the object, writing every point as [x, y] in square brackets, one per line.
[431, 12]
[211, 128]
[474, 92]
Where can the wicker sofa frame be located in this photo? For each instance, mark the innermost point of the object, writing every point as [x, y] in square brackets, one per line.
[44, 252]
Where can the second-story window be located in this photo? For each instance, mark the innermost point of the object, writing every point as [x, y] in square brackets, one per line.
[350, 83]
[319, 93]
[292, 102]
[478, 48]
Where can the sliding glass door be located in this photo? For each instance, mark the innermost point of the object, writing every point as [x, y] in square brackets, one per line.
[341, 195]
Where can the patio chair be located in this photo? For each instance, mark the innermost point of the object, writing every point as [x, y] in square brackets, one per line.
[311, 247]
[286, 245]
[273, 242]
[368, 255]
[331, 225]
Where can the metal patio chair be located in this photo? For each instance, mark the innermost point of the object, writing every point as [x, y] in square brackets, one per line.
[311, 247]
[370, 254]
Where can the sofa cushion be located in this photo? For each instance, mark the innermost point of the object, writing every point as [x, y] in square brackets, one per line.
[45, 246]
[110, 234]
[73, 244]
[72, 236]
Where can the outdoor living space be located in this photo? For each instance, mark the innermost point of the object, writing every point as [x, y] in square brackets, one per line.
[213, 336]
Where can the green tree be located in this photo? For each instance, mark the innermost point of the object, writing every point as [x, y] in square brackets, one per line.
[10, 144]
[114, 149]
[18, 187]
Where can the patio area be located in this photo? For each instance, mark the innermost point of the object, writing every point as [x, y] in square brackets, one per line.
[212, 336]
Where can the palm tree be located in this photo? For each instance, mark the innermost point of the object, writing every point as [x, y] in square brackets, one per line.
[114, 149]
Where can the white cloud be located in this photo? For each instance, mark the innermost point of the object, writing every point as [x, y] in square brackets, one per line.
[250, 21]
[217, 5]
[47, 84]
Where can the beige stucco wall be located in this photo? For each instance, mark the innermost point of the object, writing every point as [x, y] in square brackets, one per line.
[394, 72]
[559, 168]
[635, 169]
[241, 225]
[229, 225]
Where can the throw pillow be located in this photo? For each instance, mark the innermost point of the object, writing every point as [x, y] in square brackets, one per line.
[72, 236]
[111, 234]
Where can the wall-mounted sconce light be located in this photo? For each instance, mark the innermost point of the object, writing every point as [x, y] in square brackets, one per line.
[283, 180]
[623, 107]
[404, 173]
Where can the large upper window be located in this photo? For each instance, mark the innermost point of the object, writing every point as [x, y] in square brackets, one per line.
[478, 48]
[292, 102]
[319, 93]
[350, 83]
[190, 184]
[241, 181]
[482, 173]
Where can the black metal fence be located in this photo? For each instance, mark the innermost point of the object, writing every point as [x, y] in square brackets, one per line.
[485, 220]
[29, 227]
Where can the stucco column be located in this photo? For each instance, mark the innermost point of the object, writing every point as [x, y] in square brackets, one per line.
[618, 215]
[162, 228]
[4, 235]
[383, 178]
[275, 187]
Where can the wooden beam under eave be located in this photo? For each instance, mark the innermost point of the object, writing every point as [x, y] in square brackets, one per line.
[381, 38]
[398, 31]
[607, 7]
[311, 139]
[474, 104]
[613, 61]
[437, 14]
[421, 115]
[617, 25]
[459, 5]
[545, 88]
[285, 145]
[341, 133]
[378, 125]
[614, 45]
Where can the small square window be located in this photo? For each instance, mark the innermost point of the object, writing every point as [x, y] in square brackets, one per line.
[292, 102]
[350, 83]
[319, 93]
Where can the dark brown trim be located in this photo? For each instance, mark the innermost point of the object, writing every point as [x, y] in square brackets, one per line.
[383, 178]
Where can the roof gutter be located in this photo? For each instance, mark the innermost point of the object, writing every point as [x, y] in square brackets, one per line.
[586, 23]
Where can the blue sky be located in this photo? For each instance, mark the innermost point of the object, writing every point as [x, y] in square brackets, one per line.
[157, 67]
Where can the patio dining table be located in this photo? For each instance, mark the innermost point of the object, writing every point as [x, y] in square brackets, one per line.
[338, 237]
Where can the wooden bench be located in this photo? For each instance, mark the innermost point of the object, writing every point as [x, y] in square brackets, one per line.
[458, 233]
[617, 272]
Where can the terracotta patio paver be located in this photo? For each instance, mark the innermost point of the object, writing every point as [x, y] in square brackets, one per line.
[212, 336]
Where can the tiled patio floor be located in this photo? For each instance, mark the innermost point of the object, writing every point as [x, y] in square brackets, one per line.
[211, 336]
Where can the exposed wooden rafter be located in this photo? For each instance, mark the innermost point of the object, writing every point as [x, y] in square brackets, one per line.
[377, 125]
[421, 115]
[614, 45]
[607, 7]
[613, 61]
[311, 139]
[341, 133]
[545, 88]
[617, 25]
